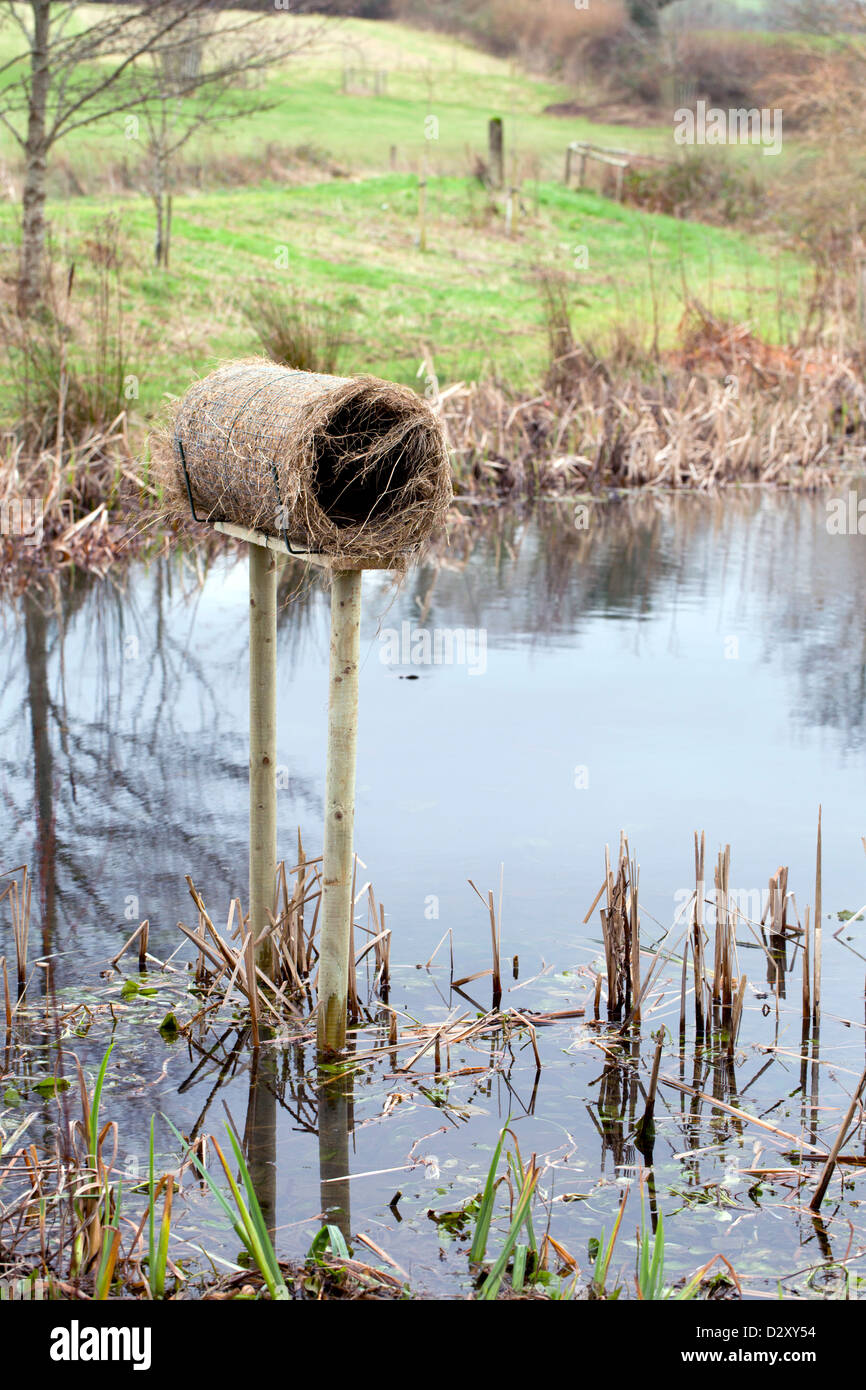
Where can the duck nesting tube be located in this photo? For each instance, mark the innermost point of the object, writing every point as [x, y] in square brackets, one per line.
[350, 468]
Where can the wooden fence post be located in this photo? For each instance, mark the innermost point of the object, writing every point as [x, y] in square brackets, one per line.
[422, 203]
[337, 903]
[496, 152]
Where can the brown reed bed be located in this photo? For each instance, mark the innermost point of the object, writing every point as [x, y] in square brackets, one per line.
[718, 992]
[724, 409]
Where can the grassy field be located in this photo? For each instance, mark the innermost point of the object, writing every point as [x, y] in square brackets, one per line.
[471, 301]
[337, 222]
[427, 74]
[313, 207]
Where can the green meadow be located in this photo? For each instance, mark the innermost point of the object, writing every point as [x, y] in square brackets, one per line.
[339, 224]
[470, 303]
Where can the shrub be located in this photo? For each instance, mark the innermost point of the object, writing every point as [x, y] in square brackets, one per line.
[296, 332]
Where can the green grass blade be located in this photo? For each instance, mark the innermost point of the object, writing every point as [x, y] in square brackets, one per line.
[255, 1211]
[485, 1211]
[94, 1108]
[206, 1177]
[490, 1287]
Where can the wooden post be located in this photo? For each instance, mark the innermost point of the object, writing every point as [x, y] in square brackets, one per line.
[568, 158]
[422, 206]
[339, 808]
[263, 738]
[496, 153]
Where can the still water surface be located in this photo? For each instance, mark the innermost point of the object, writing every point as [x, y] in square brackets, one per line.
[682, 664]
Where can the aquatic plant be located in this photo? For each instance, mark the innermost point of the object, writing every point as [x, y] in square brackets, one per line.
[245, 1214]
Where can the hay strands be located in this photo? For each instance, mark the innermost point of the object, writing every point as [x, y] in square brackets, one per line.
[355, 469]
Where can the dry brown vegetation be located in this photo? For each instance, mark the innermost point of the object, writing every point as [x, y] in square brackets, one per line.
[548, 34]
[723, 408]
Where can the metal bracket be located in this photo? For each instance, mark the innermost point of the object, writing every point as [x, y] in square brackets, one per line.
[286, 542]
[195, 516]
[213, 520]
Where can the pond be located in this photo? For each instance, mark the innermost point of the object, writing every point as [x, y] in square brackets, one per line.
[661, 665]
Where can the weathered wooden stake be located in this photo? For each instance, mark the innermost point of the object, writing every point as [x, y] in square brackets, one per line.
[263, 739]
[422, 206]
[496, 154]
[339, 808]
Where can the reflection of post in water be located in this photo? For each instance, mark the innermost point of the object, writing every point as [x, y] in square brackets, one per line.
[260, 1133]
[36, 624]
[613, 1101]
[725, 1089]
[336, 1121]
[690, 1113]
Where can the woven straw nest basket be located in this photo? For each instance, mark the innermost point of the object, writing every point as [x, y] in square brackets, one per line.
[352, 468]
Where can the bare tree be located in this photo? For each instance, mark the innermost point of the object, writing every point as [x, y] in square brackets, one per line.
[207, 71]
[71, 72]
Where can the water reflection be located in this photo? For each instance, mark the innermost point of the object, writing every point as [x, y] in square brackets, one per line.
[336, 1123]
[130, 699]
[123, 766]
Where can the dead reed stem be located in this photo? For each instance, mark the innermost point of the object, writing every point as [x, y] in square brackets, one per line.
[249, 952]
[8, 1009]
[634, 941]
[827, 1171]
[19, 905]
[738, 1114]
[698, 937]
[646, 1125]
[620, 924]
[807, 966]
[495, 937]
[139, 935]
[816, 991]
